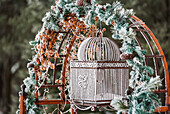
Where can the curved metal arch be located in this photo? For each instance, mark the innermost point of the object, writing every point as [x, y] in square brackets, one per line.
[161, 55]
[62, 101]
[164, 62]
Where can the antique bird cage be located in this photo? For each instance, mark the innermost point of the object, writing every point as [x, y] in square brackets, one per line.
[98, 76]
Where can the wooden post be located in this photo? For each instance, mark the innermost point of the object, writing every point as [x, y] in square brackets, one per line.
[22, 98]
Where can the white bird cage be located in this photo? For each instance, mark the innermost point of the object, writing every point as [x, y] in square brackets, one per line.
[98, 76]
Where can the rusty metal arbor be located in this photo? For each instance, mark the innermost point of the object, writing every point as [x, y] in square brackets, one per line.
[144, 34]
[143, 29]
[155, 55]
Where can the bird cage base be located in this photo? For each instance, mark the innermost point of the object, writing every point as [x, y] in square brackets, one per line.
[98, 82]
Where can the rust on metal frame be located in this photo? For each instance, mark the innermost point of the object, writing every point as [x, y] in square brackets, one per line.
[155, 56]
[64, 66]
[153, 53]
[142, 31]
[22, 99]
[160, 91]
[165, 65]
[139, 43]
[55, 62]
[36, 86]
[50, 86]
[55, 101]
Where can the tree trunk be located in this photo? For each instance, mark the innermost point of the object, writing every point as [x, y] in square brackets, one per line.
[167, 14]
[1, 89]
[6, 85]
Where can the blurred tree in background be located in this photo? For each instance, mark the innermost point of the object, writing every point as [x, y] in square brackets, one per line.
[20, 20]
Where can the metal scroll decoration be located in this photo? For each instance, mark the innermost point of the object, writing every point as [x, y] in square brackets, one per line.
[99, 69]
[82, 81]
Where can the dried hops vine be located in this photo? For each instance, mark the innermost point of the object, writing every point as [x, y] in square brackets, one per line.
[79, 21]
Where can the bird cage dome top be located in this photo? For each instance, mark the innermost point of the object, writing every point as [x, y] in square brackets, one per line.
[99, 49]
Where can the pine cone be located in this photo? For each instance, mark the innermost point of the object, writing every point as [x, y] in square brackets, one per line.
[127, 56]
[128, 92]
[30, 65]
[81, 2]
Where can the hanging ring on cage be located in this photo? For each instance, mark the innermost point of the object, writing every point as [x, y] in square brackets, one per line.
[99, 34]
[93, 108]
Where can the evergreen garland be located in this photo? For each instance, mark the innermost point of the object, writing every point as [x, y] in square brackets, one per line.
[141, 100]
